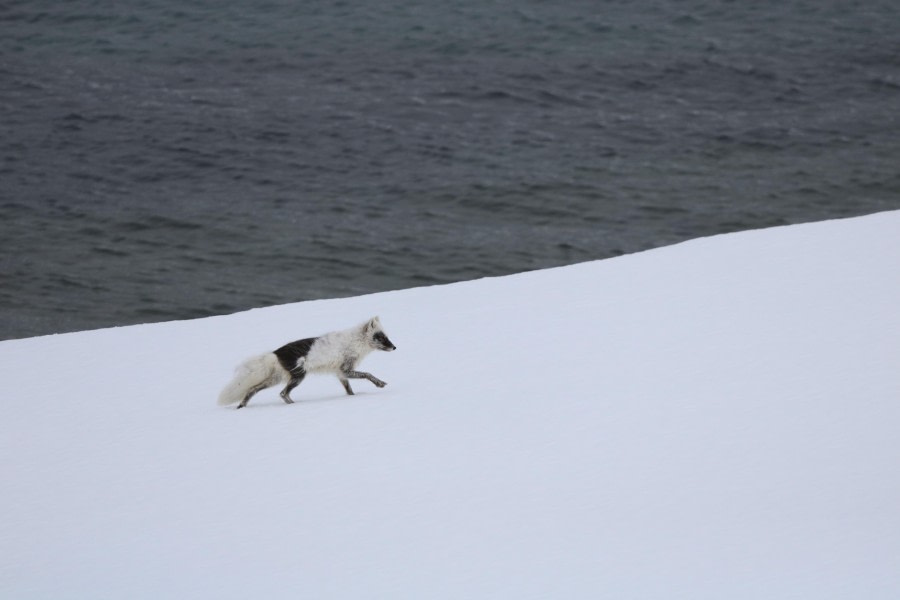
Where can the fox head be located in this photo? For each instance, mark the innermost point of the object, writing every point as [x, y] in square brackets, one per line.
[375, 336]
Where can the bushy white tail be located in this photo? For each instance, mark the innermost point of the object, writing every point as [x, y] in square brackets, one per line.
[253, 375]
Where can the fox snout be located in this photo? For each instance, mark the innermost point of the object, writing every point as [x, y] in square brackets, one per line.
[383, 343]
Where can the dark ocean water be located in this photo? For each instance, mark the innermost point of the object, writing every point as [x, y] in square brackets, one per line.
[165, 160]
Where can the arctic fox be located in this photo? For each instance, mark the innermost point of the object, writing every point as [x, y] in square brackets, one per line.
[337, 352]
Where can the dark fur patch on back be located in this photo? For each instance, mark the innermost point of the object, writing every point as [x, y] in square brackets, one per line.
[289, 354]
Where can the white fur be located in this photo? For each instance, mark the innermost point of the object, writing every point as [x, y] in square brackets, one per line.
[332, 350]
[259, 370]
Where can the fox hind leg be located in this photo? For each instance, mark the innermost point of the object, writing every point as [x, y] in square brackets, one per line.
[296, 378]
[251, 393]
[346, 385]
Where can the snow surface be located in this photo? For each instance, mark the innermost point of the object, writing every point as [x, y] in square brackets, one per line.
[717, 419]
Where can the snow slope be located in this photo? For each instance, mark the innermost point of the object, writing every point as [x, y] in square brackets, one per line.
[716, 419]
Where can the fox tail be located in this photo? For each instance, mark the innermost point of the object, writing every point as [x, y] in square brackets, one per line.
[251, 376]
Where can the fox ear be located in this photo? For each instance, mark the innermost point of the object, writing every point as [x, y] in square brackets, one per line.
[373, 324]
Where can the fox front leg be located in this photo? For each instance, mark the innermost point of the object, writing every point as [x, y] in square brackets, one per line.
[349, 374]
[346, 385]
